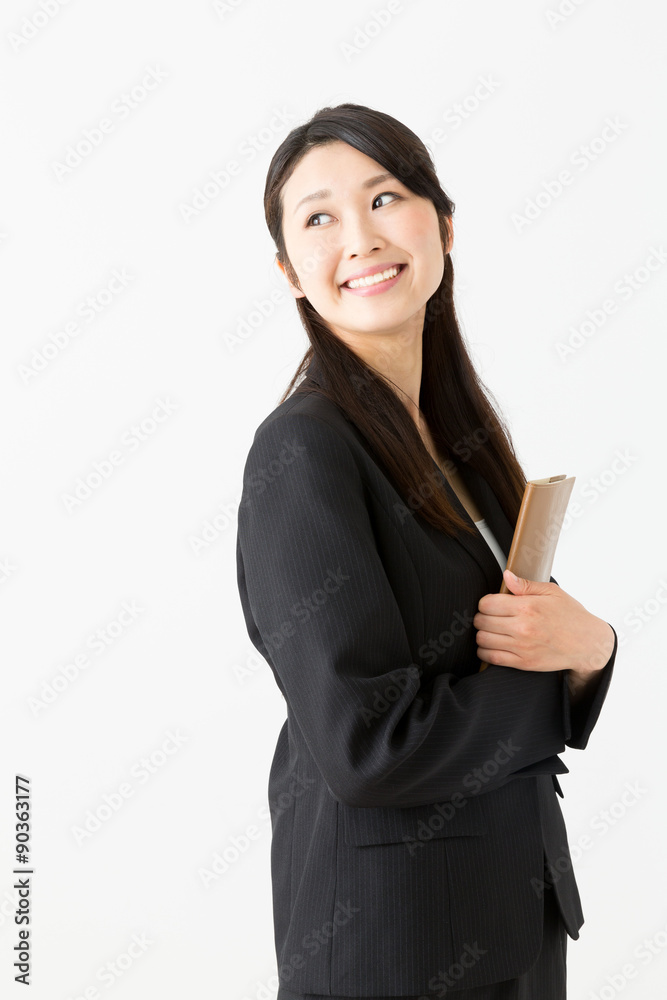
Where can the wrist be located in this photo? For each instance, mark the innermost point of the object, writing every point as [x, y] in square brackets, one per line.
[600, 651]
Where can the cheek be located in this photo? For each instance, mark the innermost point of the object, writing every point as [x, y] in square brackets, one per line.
[421, 235]
[316, 262]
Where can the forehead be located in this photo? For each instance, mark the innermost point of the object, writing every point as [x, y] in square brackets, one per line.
[337, 167]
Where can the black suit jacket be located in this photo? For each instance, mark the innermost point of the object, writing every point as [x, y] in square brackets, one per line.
[413, 798]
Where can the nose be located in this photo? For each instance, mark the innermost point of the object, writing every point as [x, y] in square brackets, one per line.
[360, 238]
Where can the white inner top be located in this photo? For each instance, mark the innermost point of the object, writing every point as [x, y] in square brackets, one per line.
[492, 542]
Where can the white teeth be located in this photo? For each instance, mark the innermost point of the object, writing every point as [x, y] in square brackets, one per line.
[373, 279]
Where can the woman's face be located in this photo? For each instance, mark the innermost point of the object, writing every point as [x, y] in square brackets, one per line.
[336, 223]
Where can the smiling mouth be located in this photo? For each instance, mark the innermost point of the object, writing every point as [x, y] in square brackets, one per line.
[374, 279]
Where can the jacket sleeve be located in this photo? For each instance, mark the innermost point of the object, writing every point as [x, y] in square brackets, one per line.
[581, 718]
[320, 608]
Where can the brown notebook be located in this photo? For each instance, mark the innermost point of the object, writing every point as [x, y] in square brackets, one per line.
[537, 530]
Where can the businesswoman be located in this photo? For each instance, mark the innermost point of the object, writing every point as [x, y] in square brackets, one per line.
[418, 847]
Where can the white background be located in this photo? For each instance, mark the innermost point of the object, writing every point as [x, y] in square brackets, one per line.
[158, 533]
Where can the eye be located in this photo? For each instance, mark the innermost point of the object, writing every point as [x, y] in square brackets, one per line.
[315, 216]
[382, 195]
[392, 193]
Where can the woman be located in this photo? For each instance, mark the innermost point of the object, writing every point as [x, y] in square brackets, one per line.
[418, 846]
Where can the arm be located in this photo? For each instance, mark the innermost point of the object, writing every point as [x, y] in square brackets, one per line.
[584, 691]
[583, 695]
[320, 608]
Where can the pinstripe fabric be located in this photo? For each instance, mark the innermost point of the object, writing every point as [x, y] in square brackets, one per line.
[545, 980]
[413, 799]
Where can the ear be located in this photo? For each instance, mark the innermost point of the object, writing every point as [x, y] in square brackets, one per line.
[296, 292]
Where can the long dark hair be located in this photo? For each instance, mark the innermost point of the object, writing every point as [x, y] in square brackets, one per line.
[464, 424]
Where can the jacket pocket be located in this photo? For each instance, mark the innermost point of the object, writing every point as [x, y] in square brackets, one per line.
[362, 826]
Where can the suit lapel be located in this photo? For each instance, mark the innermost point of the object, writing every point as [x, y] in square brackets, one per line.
[475, 545]
[494, 515]
[488, 503]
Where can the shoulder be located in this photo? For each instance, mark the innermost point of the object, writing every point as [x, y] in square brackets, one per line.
[304, 458]
[306, 425]
[303, 409]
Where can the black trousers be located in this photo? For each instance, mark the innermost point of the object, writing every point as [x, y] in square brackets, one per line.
[545, 980]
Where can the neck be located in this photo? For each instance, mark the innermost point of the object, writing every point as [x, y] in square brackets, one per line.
[397, 356]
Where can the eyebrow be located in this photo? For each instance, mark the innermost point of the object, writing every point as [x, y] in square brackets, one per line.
[326, 192]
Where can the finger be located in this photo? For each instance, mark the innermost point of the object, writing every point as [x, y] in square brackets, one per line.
[504, 605]
[500, 657]
[494, 623]
[495, 640]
